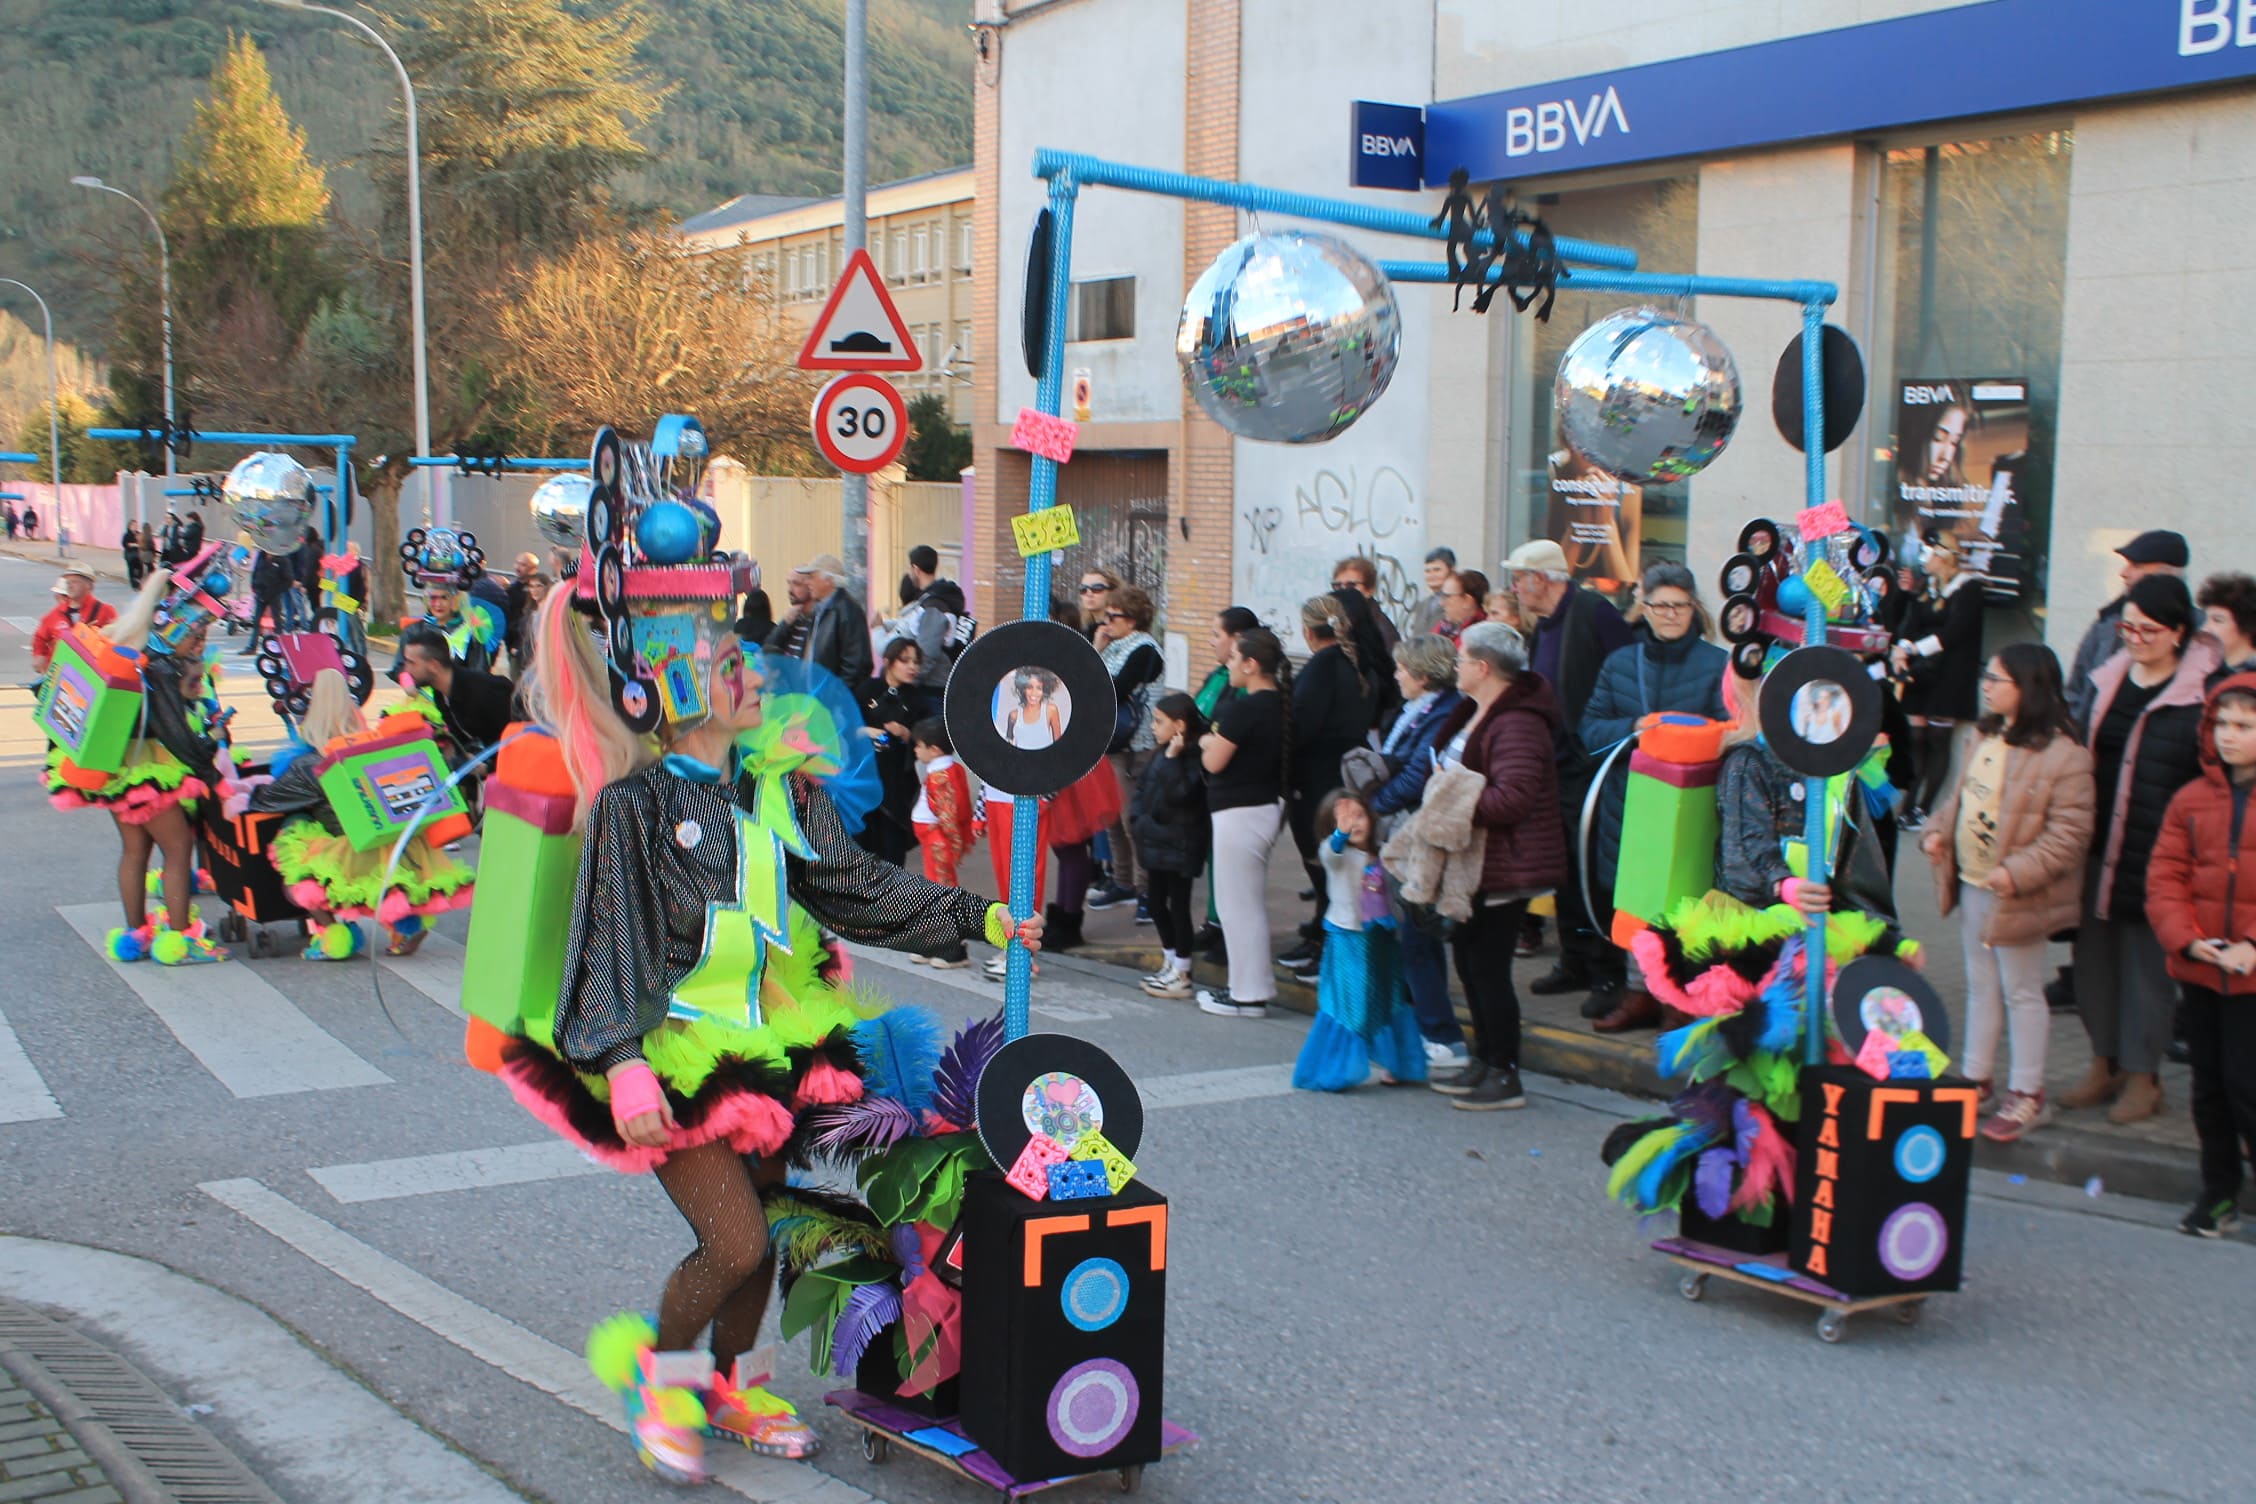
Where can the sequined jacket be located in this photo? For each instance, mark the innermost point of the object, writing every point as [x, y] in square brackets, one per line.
[660, 848]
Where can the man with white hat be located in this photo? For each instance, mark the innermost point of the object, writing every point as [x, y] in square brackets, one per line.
[1570, 632]
[825, 623]
[74, 605]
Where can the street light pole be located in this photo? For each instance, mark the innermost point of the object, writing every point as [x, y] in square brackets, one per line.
[414, 226]
[54, 409]
[853, 522]
[164, 284]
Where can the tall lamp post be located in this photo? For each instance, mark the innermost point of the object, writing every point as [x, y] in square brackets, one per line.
[414, 222]
[164, 283]
[54, 409]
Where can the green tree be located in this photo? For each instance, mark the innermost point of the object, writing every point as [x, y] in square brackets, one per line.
[85, 462]
[937, 448]
[245, 207]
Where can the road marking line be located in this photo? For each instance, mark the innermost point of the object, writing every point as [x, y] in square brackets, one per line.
[248, 1035]
[501, 1343]
[23, 624]
[462, 1170]
[24, 1097]
[1205, 1088]
[435, 970]
[1067, 1014]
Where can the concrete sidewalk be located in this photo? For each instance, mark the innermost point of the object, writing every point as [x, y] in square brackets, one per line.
[123, 1381]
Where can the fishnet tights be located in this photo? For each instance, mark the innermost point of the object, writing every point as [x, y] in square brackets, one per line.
[726, 1278]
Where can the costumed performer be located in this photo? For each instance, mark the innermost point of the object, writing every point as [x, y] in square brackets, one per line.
[702, 1011]
[173, 759]
[1362, 1003]
[334, 881]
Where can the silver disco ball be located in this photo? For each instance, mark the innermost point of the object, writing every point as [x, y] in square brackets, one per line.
[1289, 337]
[1647, 396]
[272, 495]
[560, 509]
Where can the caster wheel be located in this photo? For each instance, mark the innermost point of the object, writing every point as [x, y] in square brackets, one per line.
[1692, 1286]
[1132, 1478]
[1831, 1325]
[876, 1450]
[1908, 1313]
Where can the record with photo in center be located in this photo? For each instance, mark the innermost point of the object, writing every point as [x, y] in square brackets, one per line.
[1030, 707]
[1820, 711]
[1058, 1085]
[1884, 993]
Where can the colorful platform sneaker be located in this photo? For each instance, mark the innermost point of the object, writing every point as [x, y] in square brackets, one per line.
[188, 947]
[662, 1391]
[739, 1407]
[336, 942]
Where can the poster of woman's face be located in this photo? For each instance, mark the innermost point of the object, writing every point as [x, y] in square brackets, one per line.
[1031, 708]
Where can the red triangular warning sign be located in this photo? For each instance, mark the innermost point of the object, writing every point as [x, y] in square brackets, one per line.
[860, 329]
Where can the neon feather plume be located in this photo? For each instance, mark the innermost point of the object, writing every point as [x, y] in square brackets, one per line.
[1770, 1164]
[1711, 1181]
[868, 1126]
[806, 1226]
[955, 1081]
[1661, 1184]
[1621, 1184]
[1693, 1051]
[900, 1048]
[867, 1313]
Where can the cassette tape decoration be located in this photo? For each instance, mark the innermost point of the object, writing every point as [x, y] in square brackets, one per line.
[379, 781]
[287, 662]
[653, 574]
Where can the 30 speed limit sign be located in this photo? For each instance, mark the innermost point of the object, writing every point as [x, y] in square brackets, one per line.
[860, 423]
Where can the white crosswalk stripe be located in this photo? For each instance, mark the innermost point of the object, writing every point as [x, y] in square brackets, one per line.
[24, 624]
[463, 1170]
[435, 970]
[24, 1097]
[502, 1343]
[248, 1035]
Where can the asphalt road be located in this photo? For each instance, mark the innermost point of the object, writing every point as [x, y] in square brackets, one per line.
[1371, 1297]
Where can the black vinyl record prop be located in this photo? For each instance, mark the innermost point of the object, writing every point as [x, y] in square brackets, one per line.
[1030, 707]
[1844, 389]
[1061, 1085]
[1895, 994]
[1820, 711]
[1034, 313]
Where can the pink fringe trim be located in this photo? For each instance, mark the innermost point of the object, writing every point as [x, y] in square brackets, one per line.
[395, 906]
[749, 1122]
[825, 1085]
[1719, 990]
[1653, 962]
[137, 805]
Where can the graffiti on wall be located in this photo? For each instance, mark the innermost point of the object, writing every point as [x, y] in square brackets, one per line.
[1286, 548]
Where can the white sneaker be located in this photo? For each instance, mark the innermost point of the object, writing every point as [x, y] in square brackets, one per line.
[1177, 986]
[1221, 1005]
[1444, 1056]
[1167, 973]
[920, 960]
[942, 963]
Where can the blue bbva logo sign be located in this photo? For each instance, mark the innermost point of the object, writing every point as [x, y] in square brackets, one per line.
[2214, 25]
[1387, 145]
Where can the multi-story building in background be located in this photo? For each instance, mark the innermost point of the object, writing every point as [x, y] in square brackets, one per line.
[920, 234]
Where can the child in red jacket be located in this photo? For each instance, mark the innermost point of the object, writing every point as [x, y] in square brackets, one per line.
[942, 818]
[2205, 919]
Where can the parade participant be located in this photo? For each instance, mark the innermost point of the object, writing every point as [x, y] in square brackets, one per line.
[334, 882]
[74, 603]
[173, 760]
[699, 1014]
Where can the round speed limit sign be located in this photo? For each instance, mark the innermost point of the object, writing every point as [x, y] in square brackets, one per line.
[860, 423]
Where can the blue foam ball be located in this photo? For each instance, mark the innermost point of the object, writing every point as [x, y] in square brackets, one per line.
[708, 523]
[668, 533]
[217, 584]
[1793, 596]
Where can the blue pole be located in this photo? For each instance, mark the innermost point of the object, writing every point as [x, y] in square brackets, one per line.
[449, 461]
[1095, 172]
[1049, 395]
[1817, 826]
[1652, 284]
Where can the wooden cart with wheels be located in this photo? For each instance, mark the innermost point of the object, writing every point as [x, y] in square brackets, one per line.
[884, 1427]
[1702, 1262]
[234, 848]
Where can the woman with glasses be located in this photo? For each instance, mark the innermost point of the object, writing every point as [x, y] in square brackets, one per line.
[1097, 586]
[2145, 746]
[2008, 847]
[1464, 600]
[1668, 665]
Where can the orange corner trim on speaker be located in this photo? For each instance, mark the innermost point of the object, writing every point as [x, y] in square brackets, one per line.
[1157, 1217]
[1040, 1228]
[1880, 1100]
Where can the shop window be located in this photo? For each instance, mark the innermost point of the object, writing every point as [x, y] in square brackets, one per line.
[1610, 529]
[1104, 308]
[1973, 251]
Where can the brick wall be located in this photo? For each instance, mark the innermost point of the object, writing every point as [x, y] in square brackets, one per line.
[1202, 476]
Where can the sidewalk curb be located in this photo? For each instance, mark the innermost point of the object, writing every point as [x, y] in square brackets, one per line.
[2062, 1152]
[335, 1440]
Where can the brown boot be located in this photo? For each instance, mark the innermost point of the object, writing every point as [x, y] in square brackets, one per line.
[2141, 1099]
[2100, 1084]
[1636, 1010]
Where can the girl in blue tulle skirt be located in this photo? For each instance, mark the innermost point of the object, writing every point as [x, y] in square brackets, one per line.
[1362, 1006]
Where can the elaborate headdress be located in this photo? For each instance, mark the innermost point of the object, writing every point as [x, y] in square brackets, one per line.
[192, 597]
[443, 556]
[653, 575]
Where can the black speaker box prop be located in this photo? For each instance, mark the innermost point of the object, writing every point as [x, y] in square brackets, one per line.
[1064, 1327]
[1880, 1181]
[1732, 1234]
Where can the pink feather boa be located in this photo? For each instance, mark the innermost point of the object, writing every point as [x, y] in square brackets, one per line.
[747, 1121]
[137, 805]
[310, 895]
[1714, 992]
